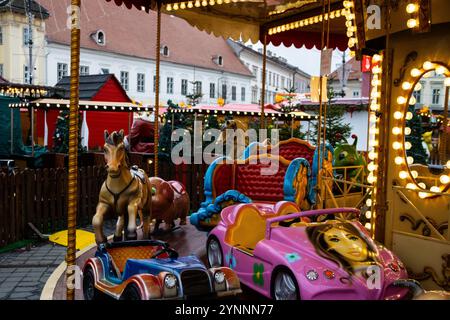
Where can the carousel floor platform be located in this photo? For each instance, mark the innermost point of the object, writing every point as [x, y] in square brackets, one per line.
[186, 240]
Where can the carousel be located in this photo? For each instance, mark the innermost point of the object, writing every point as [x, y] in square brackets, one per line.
[392, 208]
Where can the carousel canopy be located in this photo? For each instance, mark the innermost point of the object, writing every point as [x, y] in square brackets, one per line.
[288, 22]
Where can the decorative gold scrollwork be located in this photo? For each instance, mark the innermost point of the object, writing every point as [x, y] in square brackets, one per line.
[415, 224]
[429, 272]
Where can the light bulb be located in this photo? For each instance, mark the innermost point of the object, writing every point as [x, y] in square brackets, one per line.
[412, 23]
[371, 179]
[410, 160]
[398, 160]
[444, 179]
[411, 186]
[368, 214]
[368, 225]
[401, 100]
[396, 130]
[409, 115]
[418, 87]
[423, 195]
[398, 115]
[408, 145]
[427, 65]
[411, 8]
[435, 189]
[369, 202]
[372, 155]
[440, 70]
[377, 58]
[412, 100]
[169, 7]
[415, 174]
[403, 174]
[415, 72]
[448, 164]
[406, 85]
[396, 145]
[371, 166]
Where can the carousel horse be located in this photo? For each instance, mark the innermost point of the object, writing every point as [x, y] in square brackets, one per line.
[125, 193]
[239, 145]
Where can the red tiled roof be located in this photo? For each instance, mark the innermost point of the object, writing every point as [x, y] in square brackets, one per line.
[133, 33]
[355, 70]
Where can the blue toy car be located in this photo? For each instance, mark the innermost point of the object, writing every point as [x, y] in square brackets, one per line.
[150, 269]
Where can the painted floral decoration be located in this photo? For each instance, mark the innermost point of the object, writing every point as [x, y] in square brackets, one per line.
[292, 257]
[258, 272]
[230, 260]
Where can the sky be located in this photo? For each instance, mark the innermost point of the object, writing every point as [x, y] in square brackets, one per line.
[307, 60]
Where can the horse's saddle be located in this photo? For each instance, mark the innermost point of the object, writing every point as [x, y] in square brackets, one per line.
[139, 173]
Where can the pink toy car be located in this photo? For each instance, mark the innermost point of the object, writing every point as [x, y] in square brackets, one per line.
[277, 251]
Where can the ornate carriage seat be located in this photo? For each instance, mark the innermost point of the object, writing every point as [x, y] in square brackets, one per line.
[251, 180]
[289, 149]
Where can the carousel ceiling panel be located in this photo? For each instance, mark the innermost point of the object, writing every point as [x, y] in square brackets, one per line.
[247, 20]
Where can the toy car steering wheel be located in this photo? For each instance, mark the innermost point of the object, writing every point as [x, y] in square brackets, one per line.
[171, 252]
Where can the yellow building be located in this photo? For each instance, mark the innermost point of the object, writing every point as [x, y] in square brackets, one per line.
[14, 48]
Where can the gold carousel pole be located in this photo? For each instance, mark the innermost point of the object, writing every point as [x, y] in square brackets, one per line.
[263, 89]
[157, 52]
[72, 188]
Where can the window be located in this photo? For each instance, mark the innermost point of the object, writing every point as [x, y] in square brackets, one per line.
[62, 69]
[220, 61]
[124, 79]
[198, 87]
[436, 96]
[224, 91]
[270, 78]
[140, 82]
[26, 74]
[278, 80]
[101, 38]
[26, 36]
[1, 69]
[165, 51]
[254, 95]
[255, 71]
[355, 94]
[212, 90]
[233, 93]
[1, 36]
[84, 70]
[242, 93]
[282, 81]
[184, 85]
[418, 95]
[105, 71]
[154, 83]
[169, 85]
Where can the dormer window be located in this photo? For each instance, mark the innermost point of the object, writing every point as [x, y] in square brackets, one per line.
[165, 51]
[218, 60]
[99, 37]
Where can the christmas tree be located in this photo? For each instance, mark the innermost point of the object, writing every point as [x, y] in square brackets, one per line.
[417, 150]
[61, 135]
[336, 129]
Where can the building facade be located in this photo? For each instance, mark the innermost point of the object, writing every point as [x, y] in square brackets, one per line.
[192, 62]
[280, 75]
[14, 43]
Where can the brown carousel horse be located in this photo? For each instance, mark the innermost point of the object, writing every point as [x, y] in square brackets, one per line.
[125, 193]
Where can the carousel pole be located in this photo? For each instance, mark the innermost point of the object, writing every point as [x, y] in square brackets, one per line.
[72, 188]
[263, 89]
[158, 61]
[326, 103]
[12, 131]
[443, 151]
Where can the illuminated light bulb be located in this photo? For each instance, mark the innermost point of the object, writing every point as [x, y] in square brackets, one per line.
[375, 95]
[440, 70]
[396, 130]
[337, 14]
[368, 225]
[408, 145]
[169, 7]
[190, 5]
[197, 3]
[412, 100]
[316, 19]
[372, 166]
[398, 160]
[349, 34]
[350, 16]
[418, 86]
[412, 23]
[411, 8]
[435, 189]
[415, 72]
[401, 100]
[311, 20]
[444, 179]
[422, 185]
[373, 117]
[368, 214]
[448, 164]
[447, 82]
[332, 15]
[219, 1]
[423, 195]
[406, 85]
[305, 22]
[369, 202]
[414, 174]
[376, 70]
[376, 82]
[410, 160]
[427, 65]
[377, 58]
[372, 155]
[409, 115]
[398, 115]
[301, 23]
[297, 24]
[348, 4]
[396, 145]
[204, 3]
[403, 174]
[371, 179]
[411, 186]
[348, 24]
[326, 16]
[283, 28]
[374, 143]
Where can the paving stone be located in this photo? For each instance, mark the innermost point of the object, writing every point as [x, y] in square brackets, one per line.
[19, 295]
[24, 289]
[28, 283]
